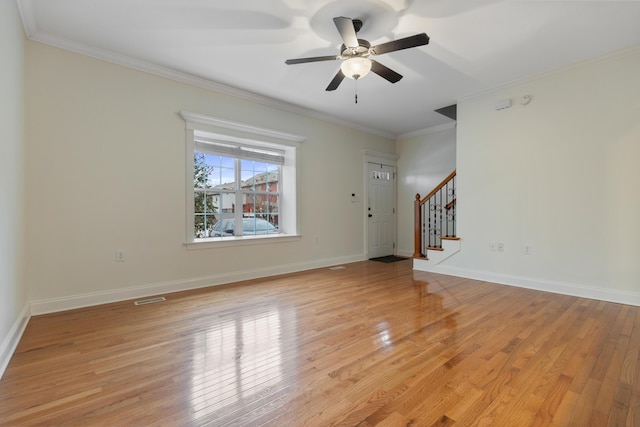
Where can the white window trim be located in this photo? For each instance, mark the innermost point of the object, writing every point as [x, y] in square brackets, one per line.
[246, 134]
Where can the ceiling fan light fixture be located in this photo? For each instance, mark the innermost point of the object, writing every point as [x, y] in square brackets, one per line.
[356, 68]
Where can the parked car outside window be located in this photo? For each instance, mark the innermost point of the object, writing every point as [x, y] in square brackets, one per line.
[250, 226]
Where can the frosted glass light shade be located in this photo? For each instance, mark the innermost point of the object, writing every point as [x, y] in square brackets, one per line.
[356, 68]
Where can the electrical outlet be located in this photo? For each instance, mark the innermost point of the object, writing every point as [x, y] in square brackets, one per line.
[119, 255]
[500, 247]
[492, 247]
[527, 249]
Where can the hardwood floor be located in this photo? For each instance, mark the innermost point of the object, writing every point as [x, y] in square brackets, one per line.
[372, 344]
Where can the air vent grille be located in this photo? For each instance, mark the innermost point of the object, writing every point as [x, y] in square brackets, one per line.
[150, 301]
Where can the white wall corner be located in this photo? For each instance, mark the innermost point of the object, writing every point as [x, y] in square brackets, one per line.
[572, 289]
[404, 253]
[12, 339]
[449, 248]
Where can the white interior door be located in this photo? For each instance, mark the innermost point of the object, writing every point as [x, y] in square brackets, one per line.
[381, 210]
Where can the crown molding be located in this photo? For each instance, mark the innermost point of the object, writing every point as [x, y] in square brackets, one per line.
[25, 8]
[161, 71]
[370, 154]
[431, 129]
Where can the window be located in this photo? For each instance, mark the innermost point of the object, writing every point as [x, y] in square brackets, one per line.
[239, 187]
[236, 188]
[380, 175]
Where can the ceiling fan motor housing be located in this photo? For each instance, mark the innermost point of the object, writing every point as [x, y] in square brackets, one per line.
[363, 49]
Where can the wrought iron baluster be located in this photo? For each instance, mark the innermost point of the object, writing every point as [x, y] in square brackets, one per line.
[454, 206]
[424, 231]
[440, 214]
[440, 207]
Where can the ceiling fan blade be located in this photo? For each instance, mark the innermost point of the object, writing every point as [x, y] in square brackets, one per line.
[347, 31]
[405, 43]
[336, 81]
[311, 59]
[385, 72]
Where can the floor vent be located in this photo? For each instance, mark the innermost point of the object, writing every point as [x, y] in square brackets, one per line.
[149, 301]
[338, 267]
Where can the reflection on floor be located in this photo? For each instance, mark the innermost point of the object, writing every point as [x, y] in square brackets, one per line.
[368, 344]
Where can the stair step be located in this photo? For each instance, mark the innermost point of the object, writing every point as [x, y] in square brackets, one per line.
[434, 248]
[450, 246]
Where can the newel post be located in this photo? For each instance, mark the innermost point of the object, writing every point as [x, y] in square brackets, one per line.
[417, 228]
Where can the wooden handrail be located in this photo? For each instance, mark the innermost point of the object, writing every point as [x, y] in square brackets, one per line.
[450, 204]
[417, 215]
[438, 187]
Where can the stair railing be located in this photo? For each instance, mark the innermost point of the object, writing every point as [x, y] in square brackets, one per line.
[435, 217]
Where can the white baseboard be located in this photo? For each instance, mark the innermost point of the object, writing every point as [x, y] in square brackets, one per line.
[13, 338]
[610, 295]
[403, 253]
[96, 298]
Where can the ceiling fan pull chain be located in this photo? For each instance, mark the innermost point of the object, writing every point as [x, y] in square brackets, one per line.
[356, 91]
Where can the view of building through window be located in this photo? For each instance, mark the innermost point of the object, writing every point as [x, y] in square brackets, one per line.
[232, 193]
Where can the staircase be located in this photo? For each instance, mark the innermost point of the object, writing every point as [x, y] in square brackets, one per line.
[435, 225]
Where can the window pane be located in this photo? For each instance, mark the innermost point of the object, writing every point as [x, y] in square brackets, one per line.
[259, 176]
[260, 203]
[271, 204]
[247, 183]
[273, 219]
[225, 224]
[225, 227]
[248, 174]
[272, 209]
[201, 170]
[228, 162]
[248, 203]
[209, 208]
[222, 178]
[256, 225]
[227, 202]
[260, 214]
[253, 165]
[212, 171]
[205, 208]
[273, 181]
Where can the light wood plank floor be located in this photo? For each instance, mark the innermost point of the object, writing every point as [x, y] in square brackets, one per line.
[372, 344]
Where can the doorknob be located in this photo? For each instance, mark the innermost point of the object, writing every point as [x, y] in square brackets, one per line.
[370, 215]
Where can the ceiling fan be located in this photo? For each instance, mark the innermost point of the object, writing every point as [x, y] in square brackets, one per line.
[356, 53]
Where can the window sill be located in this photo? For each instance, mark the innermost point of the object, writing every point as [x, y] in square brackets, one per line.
[221, 242]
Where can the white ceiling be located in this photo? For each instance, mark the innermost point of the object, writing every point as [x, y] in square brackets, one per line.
[475, 45]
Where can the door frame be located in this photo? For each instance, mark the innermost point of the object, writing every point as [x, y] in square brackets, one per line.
[385, 159]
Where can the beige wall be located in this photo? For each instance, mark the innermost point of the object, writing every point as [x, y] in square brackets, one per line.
[560, 173]
[423, 162]
[13, 294]
[106, 171]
